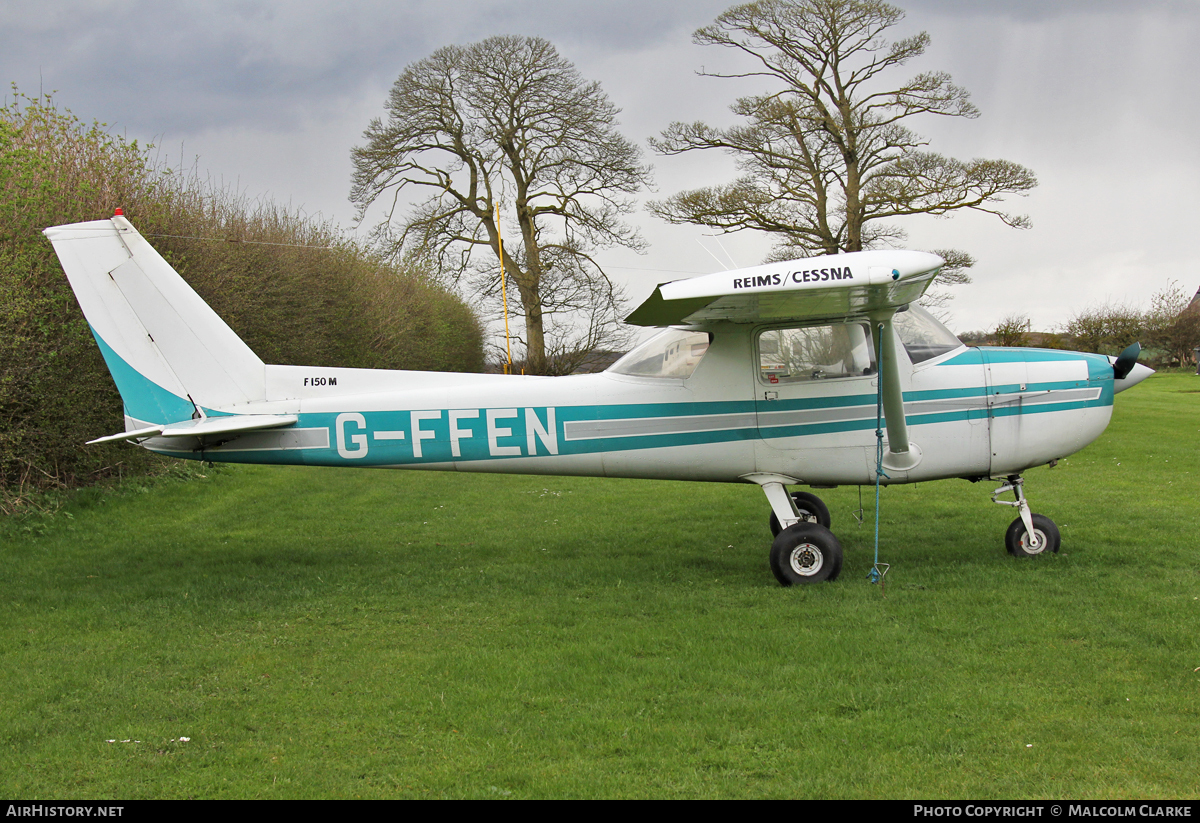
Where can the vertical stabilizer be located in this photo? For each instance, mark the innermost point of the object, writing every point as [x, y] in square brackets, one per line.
[169, 353]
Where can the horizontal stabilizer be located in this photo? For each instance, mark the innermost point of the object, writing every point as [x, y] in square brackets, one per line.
[205, 427]
[131, 436]
[818, 288]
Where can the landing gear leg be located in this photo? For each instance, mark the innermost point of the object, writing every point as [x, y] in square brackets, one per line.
[1030, 534]
[809, 508]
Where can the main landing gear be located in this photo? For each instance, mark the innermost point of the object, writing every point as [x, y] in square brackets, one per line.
[1030, 534]
[805, 550]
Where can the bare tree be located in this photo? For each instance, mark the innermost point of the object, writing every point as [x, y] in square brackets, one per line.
[508, 122]
[827, 158]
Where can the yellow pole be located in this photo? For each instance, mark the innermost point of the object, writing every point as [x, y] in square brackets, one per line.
[504, 295]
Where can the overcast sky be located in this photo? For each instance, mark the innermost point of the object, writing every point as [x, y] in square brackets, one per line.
[1097, 97]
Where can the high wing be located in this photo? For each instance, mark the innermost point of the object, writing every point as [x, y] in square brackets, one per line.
[819, 288]
[874, 283]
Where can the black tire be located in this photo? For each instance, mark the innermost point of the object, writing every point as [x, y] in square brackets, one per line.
[811, 508]
[1016, 539]
[806, 553]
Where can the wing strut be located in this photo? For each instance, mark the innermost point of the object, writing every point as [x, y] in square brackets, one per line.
[883, 328]
[902, 454]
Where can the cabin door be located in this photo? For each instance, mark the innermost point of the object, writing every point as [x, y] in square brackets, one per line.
[815, 397]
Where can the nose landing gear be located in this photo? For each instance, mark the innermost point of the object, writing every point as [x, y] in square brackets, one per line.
[1030, 534]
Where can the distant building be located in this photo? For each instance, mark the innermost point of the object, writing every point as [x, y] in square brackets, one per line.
[1194, 306]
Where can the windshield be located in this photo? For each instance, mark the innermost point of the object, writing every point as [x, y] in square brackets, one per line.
[672, 353]
[924, 338]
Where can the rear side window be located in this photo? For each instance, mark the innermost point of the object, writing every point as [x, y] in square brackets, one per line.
[672, 353]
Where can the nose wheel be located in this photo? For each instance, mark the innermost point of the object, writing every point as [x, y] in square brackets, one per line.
[1021, 542]
[1030, 534]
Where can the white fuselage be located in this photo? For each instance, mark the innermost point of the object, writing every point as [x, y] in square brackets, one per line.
[971, 412]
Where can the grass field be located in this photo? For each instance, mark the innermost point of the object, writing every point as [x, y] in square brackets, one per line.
[321, 633]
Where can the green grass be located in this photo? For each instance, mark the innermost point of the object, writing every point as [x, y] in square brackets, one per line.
[321, 633]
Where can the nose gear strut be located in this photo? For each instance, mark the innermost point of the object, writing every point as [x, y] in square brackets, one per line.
[1030, 534]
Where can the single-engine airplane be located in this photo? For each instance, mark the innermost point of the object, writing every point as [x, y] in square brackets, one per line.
[776, 375]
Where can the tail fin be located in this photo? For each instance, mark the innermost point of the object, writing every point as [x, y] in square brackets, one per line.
[170, 355]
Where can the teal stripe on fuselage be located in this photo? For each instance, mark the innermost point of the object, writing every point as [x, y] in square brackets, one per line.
[143, 398]
[510, 434]
[633, 410]
[1001, 354]
[512, 431]
[1099, 367]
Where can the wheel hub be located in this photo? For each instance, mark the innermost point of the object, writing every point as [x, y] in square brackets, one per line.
[806, 559]
[1035, 543]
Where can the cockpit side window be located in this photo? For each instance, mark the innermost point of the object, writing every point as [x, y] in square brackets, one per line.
[672, 353]
[924, 338]
[792, 355]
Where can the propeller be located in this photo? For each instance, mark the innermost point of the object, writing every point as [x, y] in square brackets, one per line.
[1126, 360]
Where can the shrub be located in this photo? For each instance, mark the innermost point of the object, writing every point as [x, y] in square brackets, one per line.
[295, 289]
[1173, 326]
[1012, 331]
[1169, 330]
[1106, 329]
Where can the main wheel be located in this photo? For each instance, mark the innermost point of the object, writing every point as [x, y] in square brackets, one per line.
[812, 510]
[1046, 537]
[806, 553]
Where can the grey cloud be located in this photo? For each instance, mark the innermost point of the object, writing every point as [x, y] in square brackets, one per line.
[1094, 95]
[172, 67]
